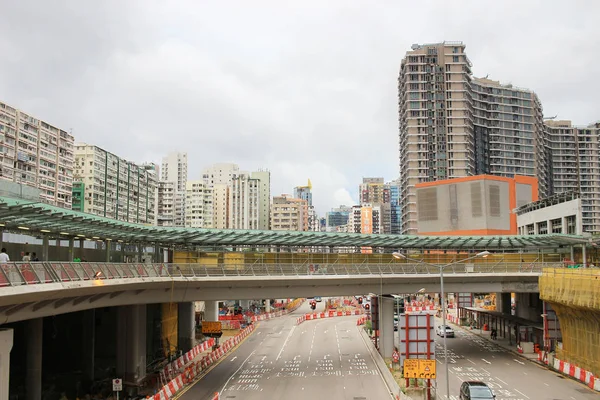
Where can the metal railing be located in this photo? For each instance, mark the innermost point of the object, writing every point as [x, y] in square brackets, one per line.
[34, 273]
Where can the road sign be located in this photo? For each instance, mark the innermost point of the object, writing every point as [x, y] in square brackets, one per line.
[427, 369]
[411, 368]
[117, 385]
[211, 327]
[396, 356]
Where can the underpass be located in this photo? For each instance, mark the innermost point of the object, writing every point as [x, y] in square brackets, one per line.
[324, 358]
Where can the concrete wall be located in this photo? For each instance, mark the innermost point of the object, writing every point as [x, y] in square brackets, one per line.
[561, 210]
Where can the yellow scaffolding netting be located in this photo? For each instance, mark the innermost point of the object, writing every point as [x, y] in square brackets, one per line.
[575, 296]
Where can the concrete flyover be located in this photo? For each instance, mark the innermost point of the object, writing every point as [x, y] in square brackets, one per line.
[33, 290]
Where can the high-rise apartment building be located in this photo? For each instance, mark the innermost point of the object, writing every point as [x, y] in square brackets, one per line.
[249, 200]
[112, 187]
[220, 173]
[171, 193]
[198, 205]
[305, 193]
[221, 205]
[574, 166]
[509, 128]
[289, 214]
[38, 154]
[365, 218]
[395, 209]
[453, 125]
[436, 120]
[376, 192]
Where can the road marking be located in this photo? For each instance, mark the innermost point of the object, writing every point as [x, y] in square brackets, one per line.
[471, 361]
[258, 333]
[484, 360]
[546, 384]
[521, 393]
[236, 371]
[233, 358]
[286, 340]
[502, 381]
[520, 362]
[525, 373]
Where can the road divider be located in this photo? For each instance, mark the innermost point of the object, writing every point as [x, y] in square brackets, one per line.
[592, 381]
[327, 314]
[361, 321]
[188, 374]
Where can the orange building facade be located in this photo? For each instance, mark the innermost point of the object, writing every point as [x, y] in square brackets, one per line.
[473, 205]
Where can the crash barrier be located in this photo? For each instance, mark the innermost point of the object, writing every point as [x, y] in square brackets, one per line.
[419, 308]
[215, 396]
[228, 325]
[189, 372]
[452, 318]
[266, 316]
[592, 381]
[327, 314]
[361, 321]
[174, 368]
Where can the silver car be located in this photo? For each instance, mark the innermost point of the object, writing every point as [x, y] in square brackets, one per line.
[445, 330]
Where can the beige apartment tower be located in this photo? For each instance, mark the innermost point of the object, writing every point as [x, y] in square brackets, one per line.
[435, 119]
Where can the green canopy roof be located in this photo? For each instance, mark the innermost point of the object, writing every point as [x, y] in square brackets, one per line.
[38, 218]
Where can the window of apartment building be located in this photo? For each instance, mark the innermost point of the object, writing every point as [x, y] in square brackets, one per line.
[542, 227]
[455, 59]
[571, 224]
[556, 225]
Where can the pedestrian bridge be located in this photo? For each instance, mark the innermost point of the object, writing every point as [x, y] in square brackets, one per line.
[32, 290]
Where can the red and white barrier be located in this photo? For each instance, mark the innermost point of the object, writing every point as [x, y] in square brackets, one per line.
[216, 396]
[580, 374]
[419, 308]
[328, 314]
[175, 367]
[188, 374]
[452, 318]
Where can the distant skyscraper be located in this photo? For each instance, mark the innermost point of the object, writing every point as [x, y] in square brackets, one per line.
[337, 218]
[304, 193]
[395, 209]
[198, 205]
[375, 192]
[249, 201]
[171, 194]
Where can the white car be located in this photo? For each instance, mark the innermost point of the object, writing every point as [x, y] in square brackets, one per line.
[444, 330]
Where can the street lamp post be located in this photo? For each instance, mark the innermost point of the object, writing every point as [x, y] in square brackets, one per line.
[442, 294]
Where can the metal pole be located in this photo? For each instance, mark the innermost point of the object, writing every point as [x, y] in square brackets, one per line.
[444, 337]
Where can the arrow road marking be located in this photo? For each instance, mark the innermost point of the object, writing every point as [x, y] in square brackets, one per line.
[233, 358]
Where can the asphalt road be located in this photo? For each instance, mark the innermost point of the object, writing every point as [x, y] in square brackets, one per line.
[321, 359]
[510, 377]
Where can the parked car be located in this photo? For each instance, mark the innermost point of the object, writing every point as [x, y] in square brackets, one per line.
[444, 330]
[476, 390]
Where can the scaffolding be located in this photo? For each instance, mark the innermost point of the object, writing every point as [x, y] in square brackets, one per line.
[575, 296]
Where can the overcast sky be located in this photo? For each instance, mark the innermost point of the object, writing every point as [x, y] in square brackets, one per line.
[307, 90]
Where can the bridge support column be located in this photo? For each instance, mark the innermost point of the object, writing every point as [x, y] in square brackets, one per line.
[584, 255]
[245, 304]
[131, 343]
[81, 242]
[71, 249]
[157, 258]
[211, 310]
[140, 252]
[503, 302]
[386, 323]
[88, 343]
[33, 376]
[107, 245]
[186, 329]
[6, 344]
[1, 244]
[45, 246]
[267, 305]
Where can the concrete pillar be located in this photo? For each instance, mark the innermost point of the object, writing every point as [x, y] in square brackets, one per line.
[157, 258]
[6, 344]
[33, 376]
[45, 246]
[245, 304]
[503, 302]
[584, 255]
[267, 305]
[107, 245]
[186, 326]
[1, 244]
[71, 249]
[386, 310]
[572, 253]
[140, 252]
[211, 311]
[122, 252]
[88, 343]
[81, 246]
[131, 343]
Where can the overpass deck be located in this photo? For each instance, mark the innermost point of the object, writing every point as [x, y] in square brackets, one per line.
[59, 223]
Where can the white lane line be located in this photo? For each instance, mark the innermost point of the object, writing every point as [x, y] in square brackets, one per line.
[520, 362]
[502, 381]
[471, 361]
[286, 340]
[484, 360]
[525, 373]
[546, 384]
[312, 343]
[236, 371]
[521, 393]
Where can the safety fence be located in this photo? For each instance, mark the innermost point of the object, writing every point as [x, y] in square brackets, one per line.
[189, 372]
[174, 368]
[592, 381]
[327, 314]
[361, 321]
[33, 273]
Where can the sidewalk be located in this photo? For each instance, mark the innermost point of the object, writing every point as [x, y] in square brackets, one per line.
[501, 342]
